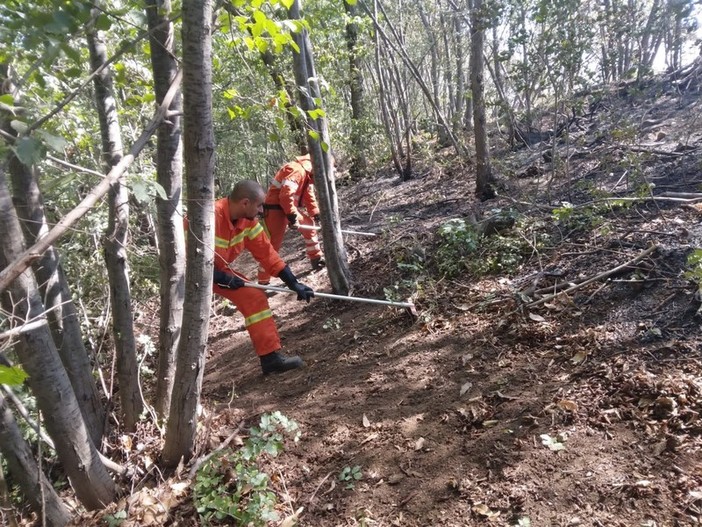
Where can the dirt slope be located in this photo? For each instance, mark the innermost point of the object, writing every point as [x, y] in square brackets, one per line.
[490, 409]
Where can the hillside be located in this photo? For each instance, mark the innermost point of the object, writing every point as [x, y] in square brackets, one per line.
[503, 403]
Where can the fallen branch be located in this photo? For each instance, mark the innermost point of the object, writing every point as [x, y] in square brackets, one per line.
[595, 278]
[199, 462]
[17, 267]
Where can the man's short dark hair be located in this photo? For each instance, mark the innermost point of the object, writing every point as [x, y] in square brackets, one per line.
[246, 189]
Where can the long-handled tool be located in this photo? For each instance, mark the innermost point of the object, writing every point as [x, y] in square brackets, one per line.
[409, 306]
[317, 227]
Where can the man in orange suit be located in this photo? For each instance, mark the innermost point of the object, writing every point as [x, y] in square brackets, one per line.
[291, 202]
[236, 229]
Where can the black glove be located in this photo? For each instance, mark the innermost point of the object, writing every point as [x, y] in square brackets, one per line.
[303, 292]
[292, 221]
[226, 280]
[317, 219]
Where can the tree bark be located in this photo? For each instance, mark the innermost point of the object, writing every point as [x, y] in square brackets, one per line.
[199, 150]
[483, 179]
[33, 484]
[47, 376]
[324, 183]
[115, 242]
[62, 315]
[358, 139]
[169, 173]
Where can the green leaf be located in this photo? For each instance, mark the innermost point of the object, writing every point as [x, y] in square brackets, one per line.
[159, 190]
[19, 126]
[140, 192]
[103, 22]
[12, 375]
[325, 146]
[7, 99]
[351, 2]
[29, 151]
[287, 3]
[314, 135]
[56, 143]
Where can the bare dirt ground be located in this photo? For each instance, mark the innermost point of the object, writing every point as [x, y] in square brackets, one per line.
[493, 409]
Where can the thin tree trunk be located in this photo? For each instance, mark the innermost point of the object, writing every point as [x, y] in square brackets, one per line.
[115, 242]
[484, 179]
[47, 376]
[33, 484]
[199, 153]
[460, 75]
[434, 62]
[319, 146]
[169, 173]
[358, 138]
[62, 314]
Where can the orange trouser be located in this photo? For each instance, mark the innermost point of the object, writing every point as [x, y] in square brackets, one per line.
[258, 319]
[275, 223]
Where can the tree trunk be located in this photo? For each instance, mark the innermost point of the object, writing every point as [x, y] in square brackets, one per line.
[33, 484]
[47, 377]
[115, 242]
[358, 138]
[483, 179]
[169, 172]
[198, 150]
[62, 314]
[319, 146]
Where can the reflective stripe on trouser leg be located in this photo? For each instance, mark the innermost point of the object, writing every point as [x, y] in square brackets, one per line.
[275, 225]
[253, 304]
[312, 247]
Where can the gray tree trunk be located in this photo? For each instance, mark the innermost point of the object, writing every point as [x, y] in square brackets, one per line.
[358, 113]
[62, 314]
[324, 183]
[115, 242]
[47, 376]
[483, 178]
[36, 489]
[169, 171]
[199, 151]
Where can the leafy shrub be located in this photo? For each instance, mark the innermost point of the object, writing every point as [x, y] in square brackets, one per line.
[231, 489]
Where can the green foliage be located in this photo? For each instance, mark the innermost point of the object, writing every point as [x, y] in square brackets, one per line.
[462, 249]
[350, 475]
[332, 324]
[116, 519]
[231, 487]
[12, 375]
[458, 241]
[694, 263]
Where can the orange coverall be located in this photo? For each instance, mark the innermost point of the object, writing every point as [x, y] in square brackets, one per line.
[291, 189]
[230, 240]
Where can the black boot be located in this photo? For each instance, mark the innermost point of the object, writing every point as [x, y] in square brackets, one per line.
[276, 362]
[317, 263]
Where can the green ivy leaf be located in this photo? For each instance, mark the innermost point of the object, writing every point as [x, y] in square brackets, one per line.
[7, 99]
[287, 3]
[314, 135]
[325, 146]
[351, 2]
[13, 375]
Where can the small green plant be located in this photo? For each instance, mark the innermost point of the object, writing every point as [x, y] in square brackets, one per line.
[458, 239]
[580, 219]
[332, 324]
[694, 263]
[231, 489]
[350, 475]
[116, 519]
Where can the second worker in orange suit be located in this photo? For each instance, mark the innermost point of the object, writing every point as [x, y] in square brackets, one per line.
[291, 201]
[236, 229]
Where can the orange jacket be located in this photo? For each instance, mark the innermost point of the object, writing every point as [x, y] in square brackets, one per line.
[232, 238]
[293, 188]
